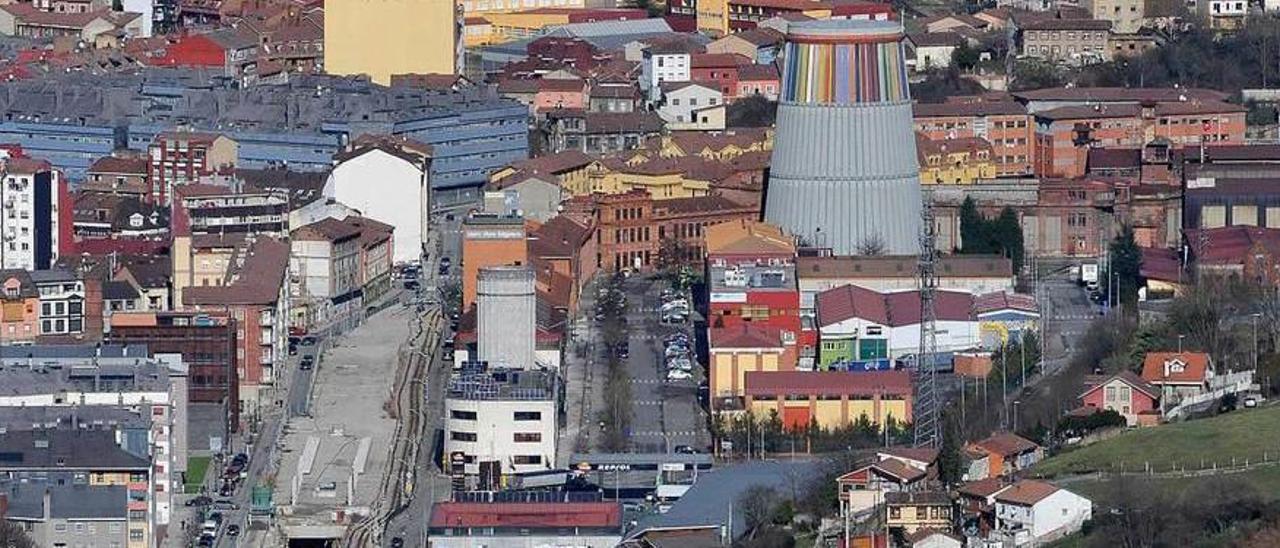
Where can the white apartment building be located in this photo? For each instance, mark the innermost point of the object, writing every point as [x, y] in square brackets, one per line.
[62, 300]
[31, 196]
[389, 182]
[504, 416]
[688, 106]
[662, 63]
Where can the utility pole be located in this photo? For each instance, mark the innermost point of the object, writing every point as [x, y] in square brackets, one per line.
[926, 404]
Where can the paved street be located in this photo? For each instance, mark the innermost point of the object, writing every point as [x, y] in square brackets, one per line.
[664, 414]
[1067, 312]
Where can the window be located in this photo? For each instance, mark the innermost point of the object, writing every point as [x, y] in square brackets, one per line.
[462, 415]
[136, 534]
[526, 459]
[462, 436]
[528, 415]
[528, 437]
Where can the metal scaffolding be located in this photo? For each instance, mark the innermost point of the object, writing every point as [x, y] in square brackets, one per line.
[927, 425]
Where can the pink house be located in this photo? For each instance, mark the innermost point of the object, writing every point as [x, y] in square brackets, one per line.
[557, 93]
[1127, 394]
[759, 80]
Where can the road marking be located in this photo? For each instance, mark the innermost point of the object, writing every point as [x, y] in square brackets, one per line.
[658, 434]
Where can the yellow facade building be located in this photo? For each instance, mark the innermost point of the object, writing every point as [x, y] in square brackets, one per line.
[963, 161]
[384, 37]
[832, 399]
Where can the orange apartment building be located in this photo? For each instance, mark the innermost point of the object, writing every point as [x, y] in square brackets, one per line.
[1005, 124]
[19, 300]
[490, 240]
[1064, 134]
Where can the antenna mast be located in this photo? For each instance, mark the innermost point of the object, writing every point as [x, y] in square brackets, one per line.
[927, 432]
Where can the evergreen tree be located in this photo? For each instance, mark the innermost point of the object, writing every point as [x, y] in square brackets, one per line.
[950, 467]
[1126, 264]
[1008, 233]
[973, 234]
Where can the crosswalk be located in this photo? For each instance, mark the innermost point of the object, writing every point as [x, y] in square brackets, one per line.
[672, 434]
[658, 381]
[1068, 317]
[644, 403]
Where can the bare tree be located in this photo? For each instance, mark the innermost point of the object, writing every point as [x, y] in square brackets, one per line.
[757, 507]
[871, 245]
[12, 536]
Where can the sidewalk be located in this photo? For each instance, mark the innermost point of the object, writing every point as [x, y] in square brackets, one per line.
[575, 436]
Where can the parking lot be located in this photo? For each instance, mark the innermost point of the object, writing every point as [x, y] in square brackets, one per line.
[665, 410]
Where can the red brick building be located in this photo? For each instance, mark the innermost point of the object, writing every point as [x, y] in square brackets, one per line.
[182, 157]
[1005, 124]
[717, 70]
[631, 226]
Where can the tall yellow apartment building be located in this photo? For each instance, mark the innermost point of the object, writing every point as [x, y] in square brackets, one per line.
[385, 37]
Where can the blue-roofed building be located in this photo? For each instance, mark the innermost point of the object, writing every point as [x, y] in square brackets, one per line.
[73, 119]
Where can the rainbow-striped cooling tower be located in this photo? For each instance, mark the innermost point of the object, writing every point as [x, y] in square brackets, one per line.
[844, 172]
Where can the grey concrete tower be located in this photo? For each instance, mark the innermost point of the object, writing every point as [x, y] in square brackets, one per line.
[506, 316]
[844, 173]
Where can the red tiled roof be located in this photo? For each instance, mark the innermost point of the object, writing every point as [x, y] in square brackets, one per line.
[1121, 95]
[552, 515]
[257, 281]
[1003, 300]
[327, 229]
[559, 237]
[926, 147]
[892, 309]
[26, 165]
[1159, 367]
[835, 383]
[1067, 24]
[761, 36]
[1161, 265]
[695, 205]
[929, 39]
[1082, 112]
[1027, 492]
[969, 108]
[1179, 108]
[757, 72]
[893, 468]
[718, 60]
[982, 488]
[1127, 377]
[115, 165]
[1006, 444]
[922, 454]
[747, 335]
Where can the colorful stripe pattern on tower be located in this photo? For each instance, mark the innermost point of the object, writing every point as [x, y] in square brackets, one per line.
[869, 72]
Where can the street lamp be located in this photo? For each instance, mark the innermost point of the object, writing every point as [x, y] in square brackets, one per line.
[1015, 415]
[1255, 317]
[1180, 337]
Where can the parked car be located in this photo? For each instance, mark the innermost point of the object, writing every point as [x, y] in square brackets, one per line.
[223, 504]
[678, 375]
[686, 450]
[681, 364]
[199, 501]
[307, 362]
[308, 340]
[293, 350]
[233, 530]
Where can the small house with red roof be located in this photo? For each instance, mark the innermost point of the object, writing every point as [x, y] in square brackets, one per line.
[1131, 396]
[1007, 453]
[864, 488]
[1177, 375]
[921, 458]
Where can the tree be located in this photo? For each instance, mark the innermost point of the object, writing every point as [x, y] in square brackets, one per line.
[871, 245]
[1006, 232]
[12, 536]
[1125, 263]
[964, 57]
[757, 507]
[1035, 74]
[672, 254]
[942, 83]
[950, 466]
[753, 111]
[972, 227]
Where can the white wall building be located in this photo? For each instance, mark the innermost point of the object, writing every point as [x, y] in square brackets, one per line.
[148, 10]
[892, 320]
[62, 300]
[506, 317]
[390, 183]
[685, 106]
[30, 196]
[501, 415]
[1032, 512]
[662, 63]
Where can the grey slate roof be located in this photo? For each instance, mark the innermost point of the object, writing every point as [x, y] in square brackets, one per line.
[66, 501]
[65, 450]
[714, 494]
[119, 291]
